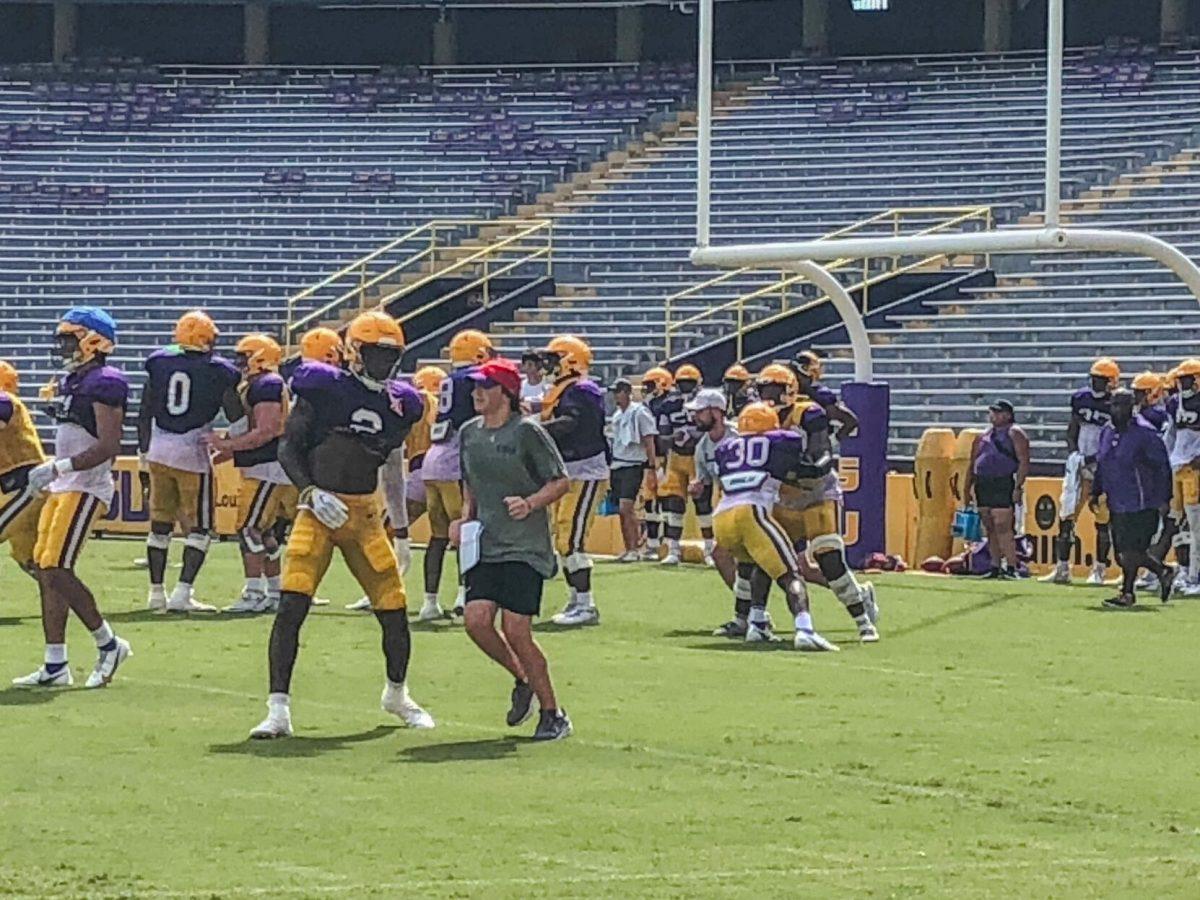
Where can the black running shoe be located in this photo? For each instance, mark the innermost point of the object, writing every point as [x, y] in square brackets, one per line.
[522, 704]
[553, 725]
[1121, 601]
[1167, 582]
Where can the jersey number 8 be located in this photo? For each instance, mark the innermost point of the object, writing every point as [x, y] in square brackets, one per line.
[179, 393]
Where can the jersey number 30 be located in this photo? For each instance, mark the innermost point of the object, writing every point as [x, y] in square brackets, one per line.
[750, 452]
[179, 393]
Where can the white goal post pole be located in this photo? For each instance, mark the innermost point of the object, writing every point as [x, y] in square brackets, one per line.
[864, 366]
[704, 126]
[1054, 92]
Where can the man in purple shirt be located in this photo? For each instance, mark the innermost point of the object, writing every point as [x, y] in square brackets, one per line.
[1133, 472]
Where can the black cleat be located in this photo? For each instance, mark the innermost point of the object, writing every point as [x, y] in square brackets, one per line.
[553, 725]
[522, 704]
[1167, 582]
[731, 629]
[1121, 601]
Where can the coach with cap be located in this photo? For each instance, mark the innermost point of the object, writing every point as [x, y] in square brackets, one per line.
[997, 472]
[512, 472]
[634, 461]
[1133, 472]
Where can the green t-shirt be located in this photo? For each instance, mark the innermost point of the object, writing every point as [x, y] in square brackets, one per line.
[514, 460]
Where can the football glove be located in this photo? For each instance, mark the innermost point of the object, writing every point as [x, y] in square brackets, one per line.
[41, 476]
[328, 508]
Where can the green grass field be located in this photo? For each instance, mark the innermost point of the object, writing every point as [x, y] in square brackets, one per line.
[1003, 740]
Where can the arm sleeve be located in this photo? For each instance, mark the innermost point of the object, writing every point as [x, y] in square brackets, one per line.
[6, 408]
[542, 458]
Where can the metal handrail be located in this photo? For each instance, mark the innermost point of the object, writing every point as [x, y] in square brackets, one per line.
[958, 215]
[295, 324]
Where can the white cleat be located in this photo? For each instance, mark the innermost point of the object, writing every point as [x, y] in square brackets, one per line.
[395, 700]
[577, 615]
[1096, 576]
[867, 633]
[760, 633]
[107, 663]
[629, 556]
[1061, 574]
[1148, 582]
[1192, 589]
[277, 724]
[362, 604]
[157, 599]
[671, 559]
[648, 554]
[812, 642]
[249, 602]
[316, 601]
[43, 679]
[182, 601]
[709, 561]
[430, 612]
[866, 593]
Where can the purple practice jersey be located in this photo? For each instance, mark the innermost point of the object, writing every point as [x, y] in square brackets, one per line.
[265, 388]
[378, 421]
[583, 437]
[74, 409]
[825, 396]
[455, 409]
[676, 431]
[187, 388]
[1187, 429]
[1157, 418]
[1093, 413]
[751, 467]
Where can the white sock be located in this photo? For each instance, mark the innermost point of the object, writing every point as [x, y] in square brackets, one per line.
[672, 547]
[403, 548]
[758, 615]
[157, 589]
[1193, 517]
[431, 599]
[56, 654]
[255, 585]
[460, 599]
[709, 545]
[584, 599]
[274, 584]
[652, 543]
[278, 700]
[103, 634]
[804, 621]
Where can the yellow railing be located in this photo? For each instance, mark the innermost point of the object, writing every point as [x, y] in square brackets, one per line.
[955, 216]
[379, 271]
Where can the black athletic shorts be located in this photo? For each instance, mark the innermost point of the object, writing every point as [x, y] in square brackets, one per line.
[995, 493]
[515, 586]
[625, 482]
[1133, 532]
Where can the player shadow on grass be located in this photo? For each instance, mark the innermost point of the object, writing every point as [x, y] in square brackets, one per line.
[489, 748]
[15, 696]
[145, 616]
[301, 746]
[1139, 608]
[11, 620]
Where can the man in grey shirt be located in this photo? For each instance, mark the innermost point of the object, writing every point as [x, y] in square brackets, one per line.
[512, 472]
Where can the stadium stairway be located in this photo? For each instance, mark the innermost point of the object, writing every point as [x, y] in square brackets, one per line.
[1032, 337]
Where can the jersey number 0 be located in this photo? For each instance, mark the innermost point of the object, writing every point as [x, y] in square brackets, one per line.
[179, 393]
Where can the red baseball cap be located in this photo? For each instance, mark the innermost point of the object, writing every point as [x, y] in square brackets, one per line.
[499, 371]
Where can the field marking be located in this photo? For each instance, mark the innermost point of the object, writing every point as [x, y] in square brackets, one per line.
[722, 764]
[755, 874]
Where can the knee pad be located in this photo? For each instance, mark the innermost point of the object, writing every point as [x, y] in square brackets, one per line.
[704, 520]
[250, 541]
[577, 562]
[741, 588]
[275, 553]
[198, 540]
[1181, 539]
[158, 541]
[826, 543]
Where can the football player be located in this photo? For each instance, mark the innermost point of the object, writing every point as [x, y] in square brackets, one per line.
[345, 426]
[88, 403]
[739, 389]
[751, 467]
[807, 368]
[266, 494]
[808, 508]
[677, 444]
[20, 450]
[1185, 463]
[1090, 412]
[186, 387]
[656, 387]
[574, 416]
[1148, 400]
[441, 470]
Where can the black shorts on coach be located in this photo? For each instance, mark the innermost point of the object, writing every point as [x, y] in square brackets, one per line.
[515, 586]
[625, 482]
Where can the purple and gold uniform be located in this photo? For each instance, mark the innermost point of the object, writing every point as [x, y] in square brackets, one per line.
[185, 390]
[20, 451]
[266, 494]
[751, 469]
[347, 411]
[77, 498]
[1093, 413]
[441, 469]
[808, 509]
[573, 412]
[1186, 449]
[677, 438]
